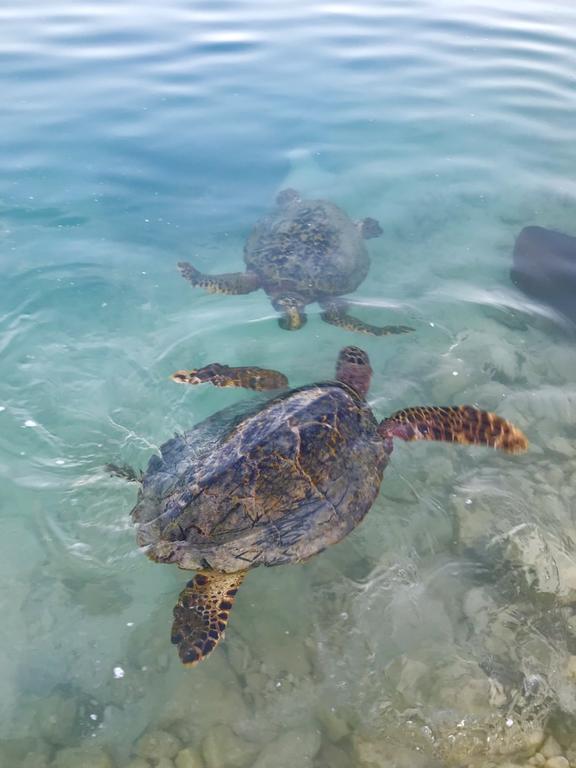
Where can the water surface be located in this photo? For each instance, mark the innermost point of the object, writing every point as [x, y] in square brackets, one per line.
[134, 136]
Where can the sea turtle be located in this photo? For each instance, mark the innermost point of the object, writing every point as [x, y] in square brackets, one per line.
[277, 481]
[303, 251]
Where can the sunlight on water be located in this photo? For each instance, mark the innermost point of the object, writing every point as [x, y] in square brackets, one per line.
[441, 632]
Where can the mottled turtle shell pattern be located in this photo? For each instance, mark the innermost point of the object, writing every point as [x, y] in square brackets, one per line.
[276, 484]
[308, 247]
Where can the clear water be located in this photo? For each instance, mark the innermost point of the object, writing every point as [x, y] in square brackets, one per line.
[135, 135]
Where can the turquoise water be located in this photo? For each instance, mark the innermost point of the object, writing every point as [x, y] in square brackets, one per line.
[135, 135]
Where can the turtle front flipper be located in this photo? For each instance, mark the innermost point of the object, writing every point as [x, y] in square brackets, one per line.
[335, 313]
[230, 283]
[462, 424]
[249, 377]
[201, 613]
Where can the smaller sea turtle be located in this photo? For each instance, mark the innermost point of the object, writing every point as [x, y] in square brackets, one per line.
[303, 251]
[276, 481]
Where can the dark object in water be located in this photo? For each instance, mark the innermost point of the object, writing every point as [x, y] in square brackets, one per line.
[545, 268]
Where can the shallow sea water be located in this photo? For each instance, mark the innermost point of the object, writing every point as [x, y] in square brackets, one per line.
[134, 135]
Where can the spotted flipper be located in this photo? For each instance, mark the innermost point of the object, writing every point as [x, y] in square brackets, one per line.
[225, 376]
[334, 314]
[126, 472]
[201, 613]
[230, 283]
[462, 424]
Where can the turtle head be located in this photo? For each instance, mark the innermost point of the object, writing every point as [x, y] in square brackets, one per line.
[291, 307]
[353, 368]
[287, 197]
[369, 228]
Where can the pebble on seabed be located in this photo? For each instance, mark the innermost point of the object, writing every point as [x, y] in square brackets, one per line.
[551, 748]
[158, 744]
[292, 748]
[557, 762]
[164, 762]
[188, 758]
[81, 757]
[222, 748]
[32, 760]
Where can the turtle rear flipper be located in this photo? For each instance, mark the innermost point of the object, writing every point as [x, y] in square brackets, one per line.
[125, 471]
[248, 377]
[201, 613]
[229, 283]
[462, 424]
[335, 313]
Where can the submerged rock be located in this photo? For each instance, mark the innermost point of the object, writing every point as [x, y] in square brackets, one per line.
[56, 718]
[558, 761]
[164, 762]
[222, 748]
[82, 757]
[561, 445]
[14, 751]
[526, 550]
[137, 762]
[34, 760]
[240, 656]
[538, 562]
[188, 758]
[103, 596]
[377, 752]
[334, 723]
[472, 743]
[439, 470]
[158, 744]
[294, 748]
[197, 702]
[550, 748]
[331, 756]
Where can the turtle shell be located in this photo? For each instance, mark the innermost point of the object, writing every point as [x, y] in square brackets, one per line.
[273, 484]
[309, 247]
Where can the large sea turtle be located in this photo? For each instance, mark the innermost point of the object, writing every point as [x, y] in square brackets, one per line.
[277, 481]
[303, 251]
